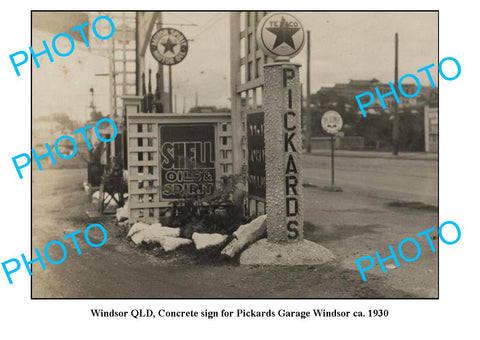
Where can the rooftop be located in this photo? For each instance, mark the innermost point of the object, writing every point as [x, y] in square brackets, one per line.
[362, 82]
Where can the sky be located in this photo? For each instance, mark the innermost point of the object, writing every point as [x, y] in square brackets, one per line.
[344, 46]
[63, 86]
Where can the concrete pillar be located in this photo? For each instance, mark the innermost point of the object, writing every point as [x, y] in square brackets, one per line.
[283, 148]
[237, 131]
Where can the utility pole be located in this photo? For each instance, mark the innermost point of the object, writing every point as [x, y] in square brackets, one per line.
[170, 97]
[92, 102]
[160, 85]
[308, 136]
[395, 141]
[196, 99]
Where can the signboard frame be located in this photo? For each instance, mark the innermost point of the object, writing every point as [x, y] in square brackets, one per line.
[256, 144]
[145, 203]
[214, 150]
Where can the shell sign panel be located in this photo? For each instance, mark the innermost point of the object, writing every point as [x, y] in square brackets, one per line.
[187, 160]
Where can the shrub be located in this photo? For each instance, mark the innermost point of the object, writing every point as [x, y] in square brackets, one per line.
[211, 213]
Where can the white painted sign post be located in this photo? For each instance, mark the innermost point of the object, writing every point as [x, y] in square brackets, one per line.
[332, 122]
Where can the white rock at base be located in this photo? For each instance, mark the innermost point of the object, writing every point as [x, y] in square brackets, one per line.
[258, 225]
[142, 232]
[156, 232]
[86, 187]
[122, 213]
[137, 238]
[96, 195]
[203, 241]
[119, 213]
[245, 235]
[139, 226]
[171, 243]
[137, 232]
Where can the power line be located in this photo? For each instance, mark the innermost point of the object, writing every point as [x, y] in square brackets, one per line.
[177, 24]
[209, 21]
[210, 24]
[184, 19]
[215, 21]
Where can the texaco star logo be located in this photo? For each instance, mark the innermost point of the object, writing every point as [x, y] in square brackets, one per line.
[280, 35]
[168, 46]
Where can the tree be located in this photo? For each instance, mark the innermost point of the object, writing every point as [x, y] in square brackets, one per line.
[66, 124]
[376, 129]
[95, 115]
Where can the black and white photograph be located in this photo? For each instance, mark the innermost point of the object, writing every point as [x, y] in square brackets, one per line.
[220, 170]
[226, 156]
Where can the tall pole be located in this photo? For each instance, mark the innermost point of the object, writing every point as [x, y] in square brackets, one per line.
[170, 99]
[92, 103]
[395, 104]
[309, 110]
[114, 81]
[333, 157]
[301, 95]
[138, 70]
[196, 99]
[160, 85]
[235, 78]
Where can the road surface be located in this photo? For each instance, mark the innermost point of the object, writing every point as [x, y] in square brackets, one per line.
[350, 224]
[405, 180]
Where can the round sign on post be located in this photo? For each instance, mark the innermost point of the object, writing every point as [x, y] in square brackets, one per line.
[332, 122]
[168, 46]
[280, 35]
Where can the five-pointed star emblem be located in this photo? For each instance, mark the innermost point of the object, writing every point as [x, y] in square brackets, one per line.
[284, 34]
[169, 45]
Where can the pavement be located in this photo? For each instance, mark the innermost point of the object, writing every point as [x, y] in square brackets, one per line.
[375, 209]
[352, 226]
[424, 156]
[405, 180]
